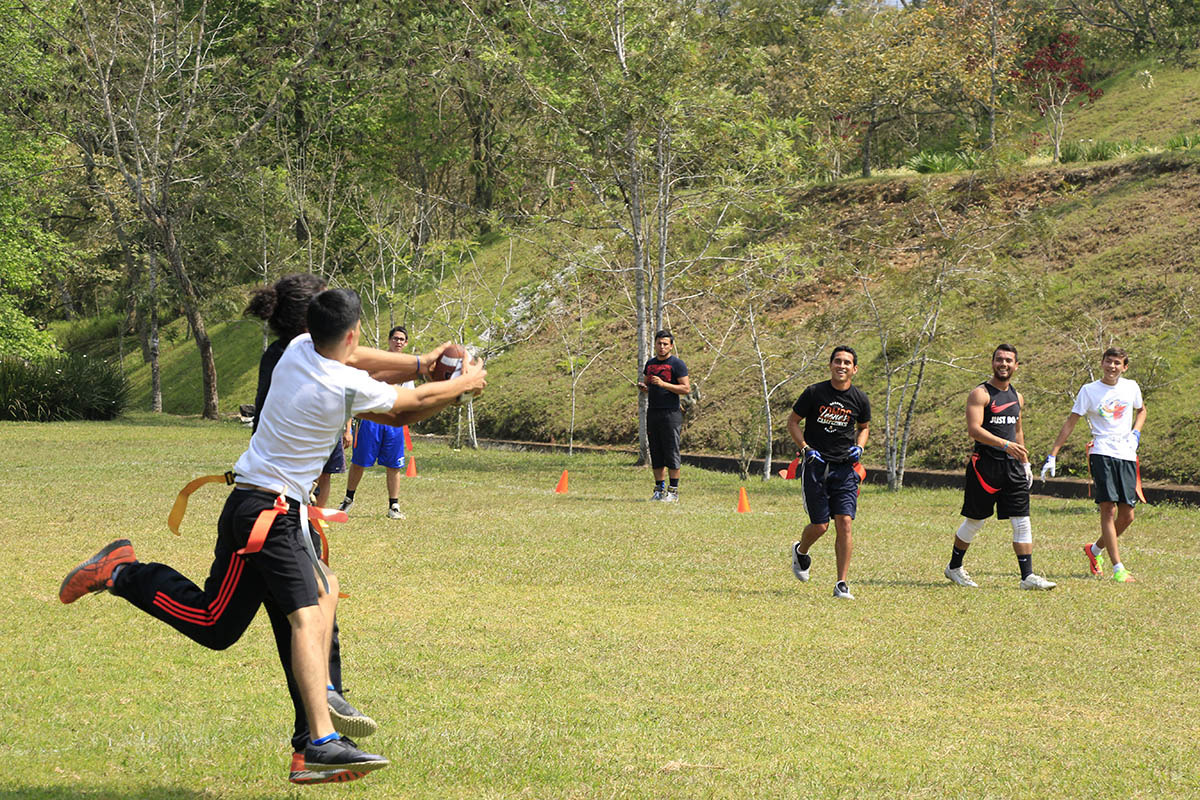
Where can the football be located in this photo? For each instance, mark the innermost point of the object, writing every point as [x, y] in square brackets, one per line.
[449, 365]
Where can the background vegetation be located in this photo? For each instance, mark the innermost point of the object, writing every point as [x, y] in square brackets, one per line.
[550, 183]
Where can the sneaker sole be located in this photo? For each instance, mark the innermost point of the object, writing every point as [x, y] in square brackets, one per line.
[360, 767]
[801, 574]
[308, 777]
[358, 727]
[67, 593]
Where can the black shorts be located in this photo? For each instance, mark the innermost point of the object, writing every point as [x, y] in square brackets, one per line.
[995, 485]
[284, 565]
[662, 430]
[1115, 479]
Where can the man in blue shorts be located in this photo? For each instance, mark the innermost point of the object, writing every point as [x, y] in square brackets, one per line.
[380, 444]
[263, 548]
[836, 417]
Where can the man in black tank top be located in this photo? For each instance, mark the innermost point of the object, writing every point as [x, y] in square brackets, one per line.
[999, 474]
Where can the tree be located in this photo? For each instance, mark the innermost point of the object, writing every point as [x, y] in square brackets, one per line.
[1055, 77]
[1165, 25]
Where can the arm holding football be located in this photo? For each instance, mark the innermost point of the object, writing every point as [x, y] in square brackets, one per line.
[414, 405]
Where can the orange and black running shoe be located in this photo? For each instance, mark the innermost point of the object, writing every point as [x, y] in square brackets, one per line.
[302, 775]
[95, 574]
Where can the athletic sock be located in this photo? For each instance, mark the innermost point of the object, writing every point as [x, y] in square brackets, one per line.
[329, 686]
[350, 494]
[1026, 564]
[804, 558]
[116, 571]
[674, 484]
[1095, 550]
[956, 558]
[333, 737]
[1117, 567]
[659, 485]
[393, 501]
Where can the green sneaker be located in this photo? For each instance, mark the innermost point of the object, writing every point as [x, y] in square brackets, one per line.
[1122, 576]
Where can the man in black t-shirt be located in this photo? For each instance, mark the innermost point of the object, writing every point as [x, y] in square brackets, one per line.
[999, 475]
[664, 380]
[836, 418]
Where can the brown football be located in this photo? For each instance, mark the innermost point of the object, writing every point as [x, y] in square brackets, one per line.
[449, 365]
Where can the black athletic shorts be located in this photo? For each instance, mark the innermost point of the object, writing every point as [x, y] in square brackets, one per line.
[830, 490]
[1115, 479]
[336, 463]
[995, 485]
[662, 429]
[284, 565]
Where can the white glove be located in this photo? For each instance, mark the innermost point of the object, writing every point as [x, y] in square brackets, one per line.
[1028, 475]
[1048, 467]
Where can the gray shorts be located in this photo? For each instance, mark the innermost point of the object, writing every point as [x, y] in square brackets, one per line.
[1115, 479]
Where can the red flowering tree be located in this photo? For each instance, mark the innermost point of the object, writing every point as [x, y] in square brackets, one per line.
[1055, 77]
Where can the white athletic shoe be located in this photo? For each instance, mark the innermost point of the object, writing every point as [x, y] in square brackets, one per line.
[800, 573]
[842, 591]
[658, 495]
[670, 497]
[1035, 581]
[394, 512]
[346, 503]
[960, 576]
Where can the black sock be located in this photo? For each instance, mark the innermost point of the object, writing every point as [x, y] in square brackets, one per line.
[393, 501]
[350, 493]
[804, 558]
[956, 558]
[674, 485]
[1026, 564]
[659, 485]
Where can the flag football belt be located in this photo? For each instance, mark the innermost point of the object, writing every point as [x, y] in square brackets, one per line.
[1137, 484]
[319, 517]
[793, 470]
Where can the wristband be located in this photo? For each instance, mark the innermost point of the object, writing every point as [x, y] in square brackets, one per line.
[1006, 444]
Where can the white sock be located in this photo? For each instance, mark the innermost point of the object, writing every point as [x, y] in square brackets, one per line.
[1095, 550]
[1117, 567]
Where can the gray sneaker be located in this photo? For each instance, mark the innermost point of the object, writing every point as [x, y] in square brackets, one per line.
[1035, 581]
[394, 512]
[658, 495]
[801, 572]
[842, 591]
[348, 720]
[960, 576]
[346, 503]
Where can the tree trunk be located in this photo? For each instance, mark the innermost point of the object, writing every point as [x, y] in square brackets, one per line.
[642, 298]
[191, 308]
[868, 135]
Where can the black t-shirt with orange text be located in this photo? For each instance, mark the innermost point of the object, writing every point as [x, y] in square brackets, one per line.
[831, 418]
[671, 370]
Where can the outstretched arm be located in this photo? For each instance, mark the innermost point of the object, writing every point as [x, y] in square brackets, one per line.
[384, 365]
[414, 405]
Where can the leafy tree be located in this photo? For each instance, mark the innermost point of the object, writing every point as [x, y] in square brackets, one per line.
[1055, 77]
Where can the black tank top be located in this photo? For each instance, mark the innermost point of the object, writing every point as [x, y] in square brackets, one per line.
[1000, 417]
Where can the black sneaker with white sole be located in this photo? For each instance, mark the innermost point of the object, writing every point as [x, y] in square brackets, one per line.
[348, 720]
[341, 754]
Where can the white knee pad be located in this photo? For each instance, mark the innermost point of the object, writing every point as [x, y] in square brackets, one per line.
[966, 532]
[1022, 530]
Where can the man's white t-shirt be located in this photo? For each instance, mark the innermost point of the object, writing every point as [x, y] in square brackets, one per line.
[1110, 411]
[303, 417]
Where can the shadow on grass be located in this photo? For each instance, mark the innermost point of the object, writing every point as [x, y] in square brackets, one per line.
[106, 792]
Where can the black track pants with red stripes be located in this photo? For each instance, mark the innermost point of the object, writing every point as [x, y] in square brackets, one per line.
[217, 615]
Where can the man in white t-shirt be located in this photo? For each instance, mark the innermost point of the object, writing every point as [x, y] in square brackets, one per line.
[1115, 412]
[263, 548]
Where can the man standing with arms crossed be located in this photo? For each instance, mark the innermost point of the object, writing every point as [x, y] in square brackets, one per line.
[1112, 456]
[999, 475]
[665, 380]
[836, 420]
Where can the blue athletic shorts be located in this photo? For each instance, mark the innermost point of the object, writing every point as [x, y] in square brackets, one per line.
[378, 444]
[336, 463]
[829, 490]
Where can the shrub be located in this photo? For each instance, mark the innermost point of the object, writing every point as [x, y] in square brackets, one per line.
[62, 387]
[927, 162]
[1183, 141]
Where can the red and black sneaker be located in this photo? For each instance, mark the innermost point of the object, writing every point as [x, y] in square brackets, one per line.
[1095, 563]
[95, 574]
[301, 774]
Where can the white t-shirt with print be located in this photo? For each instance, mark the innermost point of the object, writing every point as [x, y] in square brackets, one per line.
[1110, 411]
[304, 416]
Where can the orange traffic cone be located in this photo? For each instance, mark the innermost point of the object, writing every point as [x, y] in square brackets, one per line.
[562, 484]
[410, 470]
[407, 440]
[743, 501]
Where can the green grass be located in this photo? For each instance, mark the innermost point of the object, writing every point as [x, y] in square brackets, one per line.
[516, 643]
[1127, 110]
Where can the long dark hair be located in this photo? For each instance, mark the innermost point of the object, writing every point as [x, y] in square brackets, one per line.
[285, 305]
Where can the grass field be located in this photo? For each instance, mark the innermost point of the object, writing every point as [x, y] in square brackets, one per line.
[518, 643]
